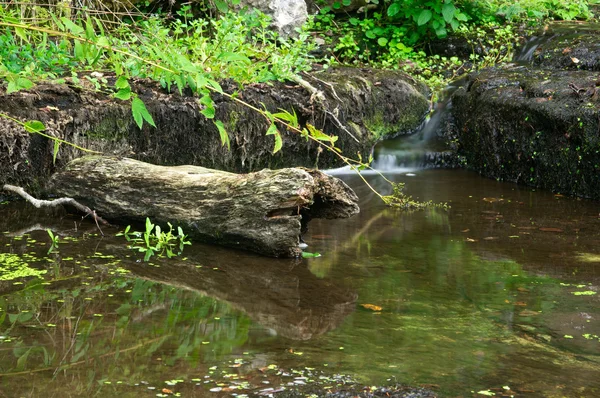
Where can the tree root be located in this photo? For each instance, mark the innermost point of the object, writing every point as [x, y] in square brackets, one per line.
[317, 94]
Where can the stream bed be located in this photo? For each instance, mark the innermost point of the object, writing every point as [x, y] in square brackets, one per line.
[496, 296]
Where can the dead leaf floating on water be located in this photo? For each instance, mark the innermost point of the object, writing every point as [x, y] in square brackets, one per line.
[322, 236]
[549, 229]
[527, 313]
[372, 307]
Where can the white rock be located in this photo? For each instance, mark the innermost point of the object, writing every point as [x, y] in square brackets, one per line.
[286, 15]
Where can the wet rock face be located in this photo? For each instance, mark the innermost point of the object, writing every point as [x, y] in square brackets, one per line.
[538, 127]
[571, 52]
[361, 107]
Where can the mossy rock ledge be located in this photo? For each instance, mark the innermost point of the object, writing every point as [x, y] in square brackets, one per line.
[370, 105]
[539, 127]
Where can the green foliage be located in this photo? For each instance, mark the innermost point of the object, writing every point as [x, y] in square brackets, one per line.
[403, 201]
[140, 113]
[184, 54]
[54, 240]
[156, 241]
[395, 34]
[532, 10]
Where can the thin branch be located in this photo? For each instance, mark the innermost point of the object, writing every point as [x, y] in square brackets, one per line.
[56, 202]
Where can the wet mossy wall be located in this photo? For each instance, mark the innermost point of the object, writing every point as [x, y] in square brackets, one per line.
[532, 127]
[354, 98]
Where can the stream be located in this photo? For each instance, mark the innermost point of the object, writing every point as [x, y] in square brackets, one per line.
[497, 295]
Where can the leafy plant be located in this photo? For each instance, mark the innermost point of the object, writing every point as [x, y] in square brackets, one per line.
[156, 241]
[53, 241]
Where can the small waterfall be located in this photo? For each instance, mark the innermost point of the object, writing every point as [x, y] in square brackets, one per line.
[422, 149]
[525, 56]
[551, 32]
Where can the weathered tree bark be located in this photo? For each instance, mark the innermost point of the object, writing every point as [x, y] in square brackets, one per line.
[262, 212]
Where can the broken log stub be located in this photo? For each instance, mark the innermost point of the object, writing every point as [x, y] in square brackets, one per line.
[260, 211]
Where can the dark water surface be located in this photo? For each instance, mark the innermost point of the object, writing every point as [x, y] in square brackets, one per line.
[499, 292]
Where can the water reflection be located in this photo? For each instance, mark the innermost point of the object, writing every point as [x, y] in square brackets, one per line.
[501, 290]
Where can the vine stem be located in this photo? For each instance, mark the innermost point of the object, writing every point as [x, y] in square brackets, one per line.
[27, 128]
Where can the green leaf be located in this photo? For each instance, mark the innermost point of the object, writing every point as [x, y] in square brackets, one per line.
[286, 116]
[278, 143]
[393, 9]
[123, 94]
[22, 34]
[90, 34]
[22, 361]
[310, 255]
[73, 28]
[149, 253]
[55, 151]
[79, 51]
[23, 83]
[221, 6]
[140, 113]
[12, 87]
[319, 135]
[424, 17]
[57, 22]
[17, 84]
[234, 57]
[462, 17]
[209, 106]
[448, 12]
[201, 81]
[122, 82]
[180, 82]
[215, 85]
[186, 65]
[272, 130]
[370, 34]
[346, 3]
[382, 41]
[34, 126]
[223, 134]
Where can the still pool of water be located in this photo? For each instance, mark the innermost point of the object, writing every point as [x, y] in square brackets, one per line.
[497, 294]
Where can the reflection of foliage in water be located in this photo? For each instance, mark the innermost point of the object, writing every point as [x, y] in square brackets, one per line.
[448, 316]
[114, 329]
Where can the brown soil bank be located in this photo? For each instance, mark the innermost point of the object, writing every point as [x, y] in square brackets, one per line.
[538, 127]
[362, 106]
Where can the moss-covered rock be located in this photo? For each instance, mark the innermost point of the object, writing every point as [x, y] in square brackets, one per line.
[536, 127]
[569, 47]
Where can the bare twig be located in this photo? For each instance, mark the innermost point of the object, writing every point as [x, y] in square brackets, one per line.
[325, 83]
[56, 202]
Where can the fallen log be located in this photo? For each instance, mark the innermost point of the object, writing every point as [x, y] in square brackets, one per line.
[264, 212]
